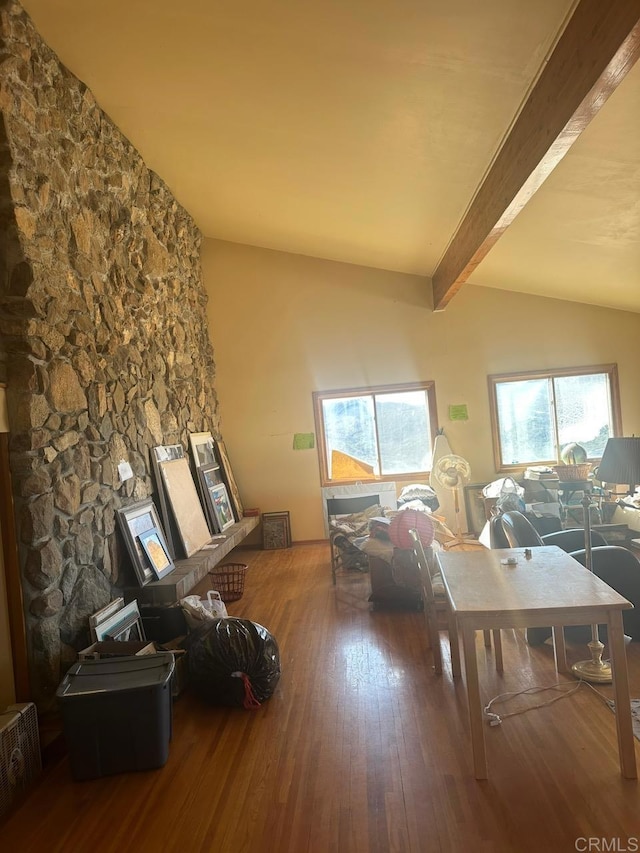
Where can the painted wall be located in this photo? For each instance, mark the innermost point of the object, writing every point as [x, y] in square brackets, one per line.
[286, 325]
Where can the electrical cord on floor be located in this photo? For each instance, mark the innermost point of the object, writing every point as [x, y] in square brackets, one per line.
[496, 719]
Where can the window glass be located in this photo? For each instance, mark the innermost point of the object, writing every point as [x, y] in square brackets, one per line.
[584, 414]
[535, 415]
[375, 432]
[526, 421]
[349, 427]
[403, 432]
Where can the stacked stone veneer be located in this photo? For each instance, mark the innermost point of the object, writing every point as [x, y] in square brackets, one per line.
[103, 332]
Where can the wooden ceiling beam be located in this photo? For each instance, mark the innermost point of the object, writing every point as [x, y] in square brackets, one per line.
[599, 45]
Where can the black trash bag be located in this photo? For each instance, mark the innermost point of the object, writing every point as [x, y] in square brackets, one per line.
[233, 662]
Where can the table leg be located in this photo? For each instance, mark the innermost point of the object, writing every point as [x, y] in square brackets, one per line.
[475, 705]
[497, 645]
[559, 649]
[624, 725]
[454, 645]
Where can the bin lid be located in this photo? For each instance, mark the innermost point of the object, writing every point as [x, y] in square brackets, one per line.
[113, 675]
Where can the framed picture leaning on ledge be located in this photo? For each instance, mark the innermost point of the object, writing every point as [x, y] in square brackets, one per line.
[156, 552]
[227, 474]
[221, 506]
[135, 520]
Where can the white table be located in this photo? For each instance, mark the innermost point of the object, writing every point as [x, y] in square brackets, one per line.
[549, 588]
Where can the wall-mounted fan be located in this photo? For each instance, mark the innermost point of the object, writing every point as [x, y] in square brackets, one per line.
[453, 472]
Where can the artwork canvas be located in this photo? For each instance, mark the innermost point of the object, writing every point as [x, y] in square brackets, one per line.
[163, 453]
[229, 479]
[202, 448]
[156, 552]
[124, 625]
[209, 477]
[276, 530]
[102, 614]
[221, 507]
[134, 520]
[185, 503]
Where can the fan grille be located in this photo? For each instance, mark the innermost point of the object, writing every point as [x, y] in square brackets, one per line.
[452, 471]
[19, 751]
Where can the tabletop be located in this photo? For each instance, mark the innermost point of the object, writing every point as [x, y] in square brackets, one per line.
[550, 579]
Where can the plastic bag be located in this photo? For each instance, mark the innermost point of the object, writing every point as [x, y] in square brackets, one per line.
[510, 496]
[504, 486]
[196, 610]
[233, 662]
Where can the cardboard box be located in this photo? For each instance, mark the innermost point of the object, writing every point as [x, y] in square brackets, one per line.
[116, 649]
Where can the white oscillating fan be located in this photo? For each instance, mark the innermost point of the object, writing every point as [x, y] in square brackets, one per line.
[453, 472]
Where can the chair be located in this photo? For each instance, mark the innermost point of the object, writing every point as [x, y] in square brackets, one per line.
[520, 533]
[341, 507]
[620, 569]
[439, 616]
[497, 536]
[437, 613]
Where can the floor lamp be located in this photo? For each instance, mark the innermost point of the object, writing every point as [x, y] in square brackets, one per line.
[620, 464]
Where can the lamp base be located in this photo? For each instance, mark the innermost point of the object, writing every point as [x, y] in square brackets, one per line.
[595, 669]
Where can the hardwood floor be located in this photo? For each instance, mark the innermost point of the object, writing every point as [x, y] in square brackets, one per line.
[361, 748]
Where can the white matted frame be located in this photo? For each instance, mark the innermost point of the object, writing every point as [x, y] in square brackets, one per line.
[202, 448]
[102, 614]
[124, 625]
[221, 506]
[209, 477]
[187, 509]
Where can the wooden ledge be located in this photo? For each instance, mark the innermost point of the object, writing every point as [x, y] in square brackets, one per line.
[191, 571]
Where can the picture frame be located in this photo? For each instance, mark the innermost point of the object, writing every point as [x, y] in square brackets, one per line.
[202, 448]
[102, 614]
[474, 507]
[157, 553]
[185, 503]
[135, 519]
[227, 473]
[124, 625]
[209, 476]
[162, 453]
[221, 506]
[276, 530]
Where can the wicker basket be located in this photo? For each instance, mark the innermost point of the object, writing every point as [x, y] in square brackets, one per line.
[229, 580]
[567, 473]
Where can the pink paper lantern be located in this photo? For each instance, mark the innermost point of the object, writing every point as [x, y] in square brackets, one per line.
[411, 519]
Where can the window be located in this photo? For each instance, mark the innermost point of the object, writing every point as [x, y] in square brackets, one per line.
[534, 415]
[375, 433]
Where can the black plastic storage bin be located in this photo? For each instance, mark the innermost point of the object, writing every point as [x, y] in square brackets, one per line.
[117, 714]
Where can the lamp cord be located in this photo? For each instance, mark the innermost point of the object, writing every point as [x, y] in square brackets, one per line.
[496, 719]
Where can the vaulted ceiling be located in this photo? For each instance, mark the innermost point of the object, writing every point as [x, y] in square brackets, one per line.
[363, 131]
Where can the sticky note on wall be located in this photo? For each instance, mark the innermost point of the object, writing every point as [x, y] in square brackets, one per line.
[458, 412]
[304, 441]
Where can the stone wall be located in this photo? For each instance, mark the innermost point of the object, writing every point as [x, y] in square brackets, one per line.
[104, 337]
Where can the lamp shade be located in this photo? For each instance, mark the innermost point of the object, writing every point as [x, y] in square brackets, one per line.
[411, 519]
[621, 462]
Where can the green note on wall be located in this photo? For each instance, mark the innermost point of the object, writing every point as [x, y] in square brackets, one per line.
[459, 412]
[304, 441]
